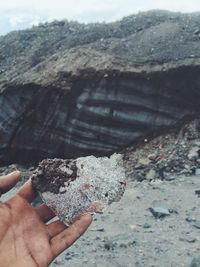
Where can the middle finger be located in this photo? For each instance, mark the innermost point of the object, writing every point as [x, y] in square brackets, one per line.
[44, 213]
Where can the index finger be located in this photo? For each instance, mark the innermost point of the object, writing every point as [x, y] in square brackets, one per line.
[8, 181]
[27, 192]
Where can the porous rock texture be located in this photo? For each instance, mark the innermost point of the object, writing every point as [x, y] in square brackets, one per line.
[73, 187]
[70, 89]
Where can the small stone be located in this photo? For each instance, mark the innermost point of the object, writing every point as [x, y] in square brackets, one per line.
[197, 172]
[152, 157]
[191, 239]
[119, 241]
[68, 256]
[151, 175]
[109, 245]
[138, 166]
[58, 262]
[144, 161]
[197, 143]
[194, 153]
[190, 219]
[188, 239]
[168, 176]
[146, 225]
[195, 262]
[187, 167]
[196, 224]
[173, 211]
[197, 192]
[197, 31]
[100, 229]
[159, 212]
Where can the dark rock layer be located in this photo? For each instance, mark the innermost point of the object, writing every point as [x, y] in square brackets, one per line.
[85, 99]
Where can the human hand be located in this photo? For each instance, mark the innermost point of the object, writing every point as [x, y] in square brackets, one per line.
[25, 239]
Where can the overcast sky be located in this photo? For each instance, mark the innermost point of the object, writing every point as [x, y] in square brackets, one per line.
[16, 14]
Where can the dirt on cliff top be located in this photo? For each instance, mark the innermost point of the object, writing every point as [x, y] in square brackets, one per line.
[147, 41]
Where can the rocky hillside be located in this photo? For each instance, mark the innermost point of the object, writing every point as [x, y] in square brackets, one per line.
[70, 89]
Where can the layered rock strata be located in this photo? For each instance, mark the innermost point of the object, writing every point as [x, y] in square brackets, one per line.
[101, 93]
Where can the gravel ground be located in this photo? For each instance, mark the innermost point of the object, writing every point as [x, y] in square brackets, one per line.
[128, 234]
[157, 221]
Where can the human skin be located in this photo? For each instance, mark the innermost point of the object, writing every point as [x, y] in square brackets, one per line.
[25, 238]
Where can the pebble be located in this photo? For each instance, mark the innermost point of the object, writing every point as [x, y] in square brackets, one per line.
[197, 172]
[109, 245]
[190, 219]
[188, 239]
[120, 241]
[68, 256]
[58, 262]
[197, 143]
[146, 225]
[152, 157]
[195, 262]
[98, 230]
[193, 153]
[144, 161]
[168, 176]
[197, 31]
[151, 175]
[196, 224]
[197, 192]
[159, 212]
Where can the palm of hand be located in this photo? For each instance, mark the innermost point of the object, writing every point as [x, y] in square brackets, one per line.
[25, 239]
[24, 236]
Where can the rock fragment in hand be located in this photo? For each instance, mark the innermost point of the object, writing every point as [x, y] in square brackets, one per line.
[74, 187]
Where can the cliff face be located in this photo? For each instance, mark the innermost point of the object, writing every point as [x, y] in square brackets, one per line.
[94, 89]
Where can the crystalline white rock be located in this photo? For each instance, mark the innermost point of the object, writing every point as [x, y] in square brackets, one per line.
[73, 187]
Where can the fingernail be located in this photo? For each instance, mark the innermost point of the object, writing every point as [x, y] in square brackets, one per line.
[15, 173]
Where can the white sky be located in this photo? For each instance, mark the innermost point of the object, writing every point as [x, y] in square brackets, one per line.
[89, 10]
[20, 14]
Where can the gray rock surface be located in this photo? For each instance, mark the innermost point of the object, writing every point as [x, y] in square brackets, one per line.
[171, 241]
